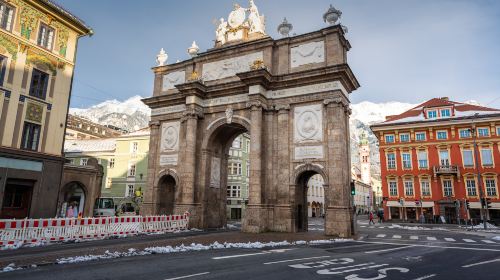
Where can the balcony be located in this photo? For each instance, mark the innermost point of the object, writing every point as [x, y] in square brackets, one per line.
[446, 170]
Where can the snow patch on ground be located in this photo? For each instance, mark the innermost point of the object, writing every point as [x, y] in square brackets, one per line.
[496, 237]
[10, 267]
[415, 227]
[488, 226]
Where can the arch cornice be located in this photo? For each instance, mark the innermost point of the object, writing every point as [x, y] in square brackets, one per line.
[167, 172]
[310, 167]
[216, 124]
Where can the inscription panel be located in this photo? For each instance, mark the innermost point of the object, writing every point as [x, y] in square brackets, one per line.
[305, 152]
[168, 160]
[229, 67]
[168, 110]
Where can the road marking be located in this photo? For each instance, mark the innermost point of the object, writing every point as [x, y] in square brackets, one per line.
[328, 271]
[396, 236]
[488, 241]
[469, 240]
[253, 254]
[381, 227]
[380, 235]
[386, 250]
[414, 237]
[187, 276]
[428, 246]
[362, 226]
[449, 239]
[431, 238]
[425, 277]
[479, 263]
[297, 259]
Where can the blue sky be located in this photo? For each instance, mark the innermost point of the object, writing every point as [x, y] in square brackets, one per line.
[406, 51]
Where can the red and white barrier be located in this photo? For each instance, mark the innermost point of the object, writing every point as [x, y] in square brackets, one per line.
[15, 233]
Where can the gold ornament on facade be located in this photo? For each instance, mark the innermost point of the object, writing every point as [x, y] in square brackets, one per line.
[258, 64]
[34, 112]
[194, 76]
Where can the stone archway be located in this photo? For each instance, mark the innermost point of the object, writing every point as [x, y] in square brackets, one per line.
[166, 186]
[74, 200]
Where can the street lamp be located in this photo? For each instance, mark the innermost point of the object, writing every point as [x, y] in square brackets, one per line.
[476, 161]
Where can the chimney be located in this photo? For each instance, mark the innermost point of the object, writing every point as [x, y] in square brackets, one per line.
[445, 98]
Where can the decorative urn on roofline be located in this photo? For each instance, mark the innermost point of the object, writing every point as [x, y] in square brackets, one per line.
[284, 28]
[332, 15]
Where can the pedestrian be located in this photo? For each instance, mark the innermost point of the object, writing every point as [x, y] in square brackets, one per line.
[371, 218]
[380, 216]
[69, 212]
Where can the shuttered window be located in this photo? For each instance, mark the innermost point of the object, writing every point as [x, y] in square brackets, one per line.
[39, 84]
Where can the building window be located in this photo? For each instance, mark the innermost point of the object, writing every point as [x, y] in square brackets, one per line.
[444, 157]
[3, 68]
[131, 170]
[404, 137]
[391, 161]
[389, 138]
[237, 143]
[248, 169]
[483, 132]
[408, 188]
[234, 168]
[468, 159]
[471, 187]
[420, 136]
[39, 84]
[393, 188]
[445, 113]
[486, 157]
[432, 114]
[422, 159]
[31, 136]
[248, 146]
[130, 191]
[464, 133]
[112, 163]
[406, 160]
[447, 188]
[45, 36]
[233, 191]
[84, 161]
[442, 135]
[491, 187]
[134, 147]
[426, 188]
[6, 16]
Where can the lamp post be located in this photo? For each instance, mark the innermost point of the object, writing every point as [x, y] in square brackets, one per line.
[476, 161]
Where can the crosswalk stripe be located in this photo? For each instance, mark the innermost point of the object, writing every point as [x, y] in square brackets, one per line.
[362, 226]
[381, 227]
[396, 236]
[414, 237]
[449, 239]
[431, 238]
[488, 241]
[380, 235]
[469, 240]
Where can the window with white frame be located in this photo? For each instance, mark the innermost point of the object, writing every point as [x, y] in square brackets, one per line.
[248, 169]
[404, 137]
[471, 187]
[112, 163]
[444, 157]
[442, 135]
[6, 16]
[406, 160]
[237, 143]
[465, 133]
[134, 147]
[131, 169]
[422, 159]
[445, 113]
[486, 157]
[432, 114]
[129, 191]
[391, 161]
[233, 191]
[234, 168]
[408, 187]
[45, 36]
[248, 146]
[483, 132]
[84, 161]
[491, 186]
[425, 187]
[420, 136]
[389, 138]
[468, 158]
[393, 188]
[447, 188]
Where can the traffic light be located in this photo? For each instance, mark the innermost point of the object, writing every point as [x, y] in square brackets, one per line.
[353, 188]
[467, 204]
[483, 202]
[488, 203]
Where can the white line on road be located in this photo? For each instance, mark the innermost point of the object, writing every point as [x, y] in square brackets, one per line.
[386, 250]
[396, 236]
[380, 235]
[429, 246]
[187, 276]
[320, 257]
[469, 240]
[425, 277]
[449, 239]
[327, 271]
[351, 266]
[242, 255]
[431, 238]
[414, 237]
[488, 241]
[479, 263]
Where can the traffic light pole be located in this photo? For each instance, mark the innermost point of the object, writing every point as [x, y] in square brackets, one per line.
[479, 181]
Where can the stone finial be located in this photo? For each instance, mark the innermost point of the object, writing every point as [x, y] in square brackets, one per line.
[162, 57]
[193, 50]
[332, 15]
[284, 28]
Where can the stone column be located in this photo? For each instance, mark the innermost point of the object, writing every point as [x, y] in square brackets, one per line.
[338, 210]
[283, 210]
[151, 199]
[254, 222]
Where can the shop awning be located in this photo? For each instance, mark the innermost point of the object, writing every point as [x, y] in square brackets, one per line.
[477, 205]
[393, 203]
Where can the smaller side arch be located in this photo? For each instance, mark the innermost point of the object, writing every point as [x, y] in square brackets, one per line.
[166, 172]
[309, 167]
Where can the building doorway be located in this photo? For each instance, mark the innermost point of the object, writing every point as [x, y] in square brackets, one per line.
[17, 199]
[73, 200]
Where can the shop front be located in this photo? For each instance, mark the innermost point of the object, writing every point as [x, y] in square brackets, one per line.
[409, 211]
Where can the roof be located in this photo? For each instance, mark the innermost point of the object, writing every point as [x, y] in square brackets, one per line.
[68, 15]
[141, 132]
[460, 110]
[93, 145]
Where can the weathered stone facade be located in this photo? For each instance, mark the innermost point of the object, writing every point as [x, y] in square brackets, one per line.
[291, 95]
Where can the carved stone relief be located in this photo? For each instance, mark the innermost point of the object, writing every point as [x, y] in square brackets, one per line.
[229, 67]
[170, 136]
[170, 80]
[308, 124]
[308, 53]
[215, 174]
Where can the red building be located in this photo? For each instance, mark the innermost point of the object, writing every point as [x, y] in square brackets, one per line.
[428, 162]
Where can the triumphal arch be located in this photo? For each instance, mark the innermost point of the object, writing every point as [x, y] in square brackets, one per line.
[291, 95]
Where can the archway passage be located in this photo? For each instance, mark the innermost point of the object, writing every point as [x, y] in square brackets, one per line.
[166, 189]
[225, 173]
[309, 201]
[73, 200]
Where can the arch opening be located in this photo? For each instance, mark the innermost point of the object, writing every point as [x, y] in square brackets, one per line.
[309, 201]
[73, 195]
[167, 186]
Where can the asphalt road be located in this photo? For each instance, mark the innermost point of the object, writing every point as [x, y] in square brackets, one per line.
[382, 253]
